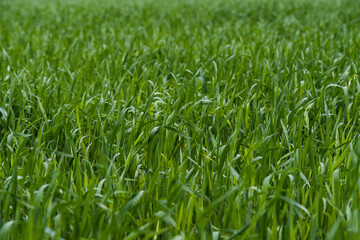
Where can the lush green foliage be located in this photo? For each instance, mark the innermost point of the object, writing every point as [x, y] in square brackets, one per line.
[179, 119]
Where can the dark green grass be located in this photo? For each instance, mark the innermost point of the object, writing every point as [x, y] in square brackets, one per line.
[179, 119]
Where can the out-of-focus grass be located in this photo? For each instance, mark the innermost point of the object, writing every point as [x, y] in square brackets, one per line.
[179, 119]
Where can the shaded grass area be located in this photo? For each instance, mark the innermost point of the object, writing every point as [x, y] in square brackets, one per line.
[179, 119]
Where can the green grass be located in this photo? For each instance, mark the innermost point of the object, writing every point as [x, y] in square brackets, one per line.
[179, 119]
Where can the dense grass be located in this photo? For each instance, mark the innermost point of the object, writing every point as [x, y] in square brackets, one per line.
[179, 119]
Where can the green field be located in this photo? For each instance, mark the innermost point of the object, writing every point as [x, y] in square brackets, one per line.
[179, 119]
